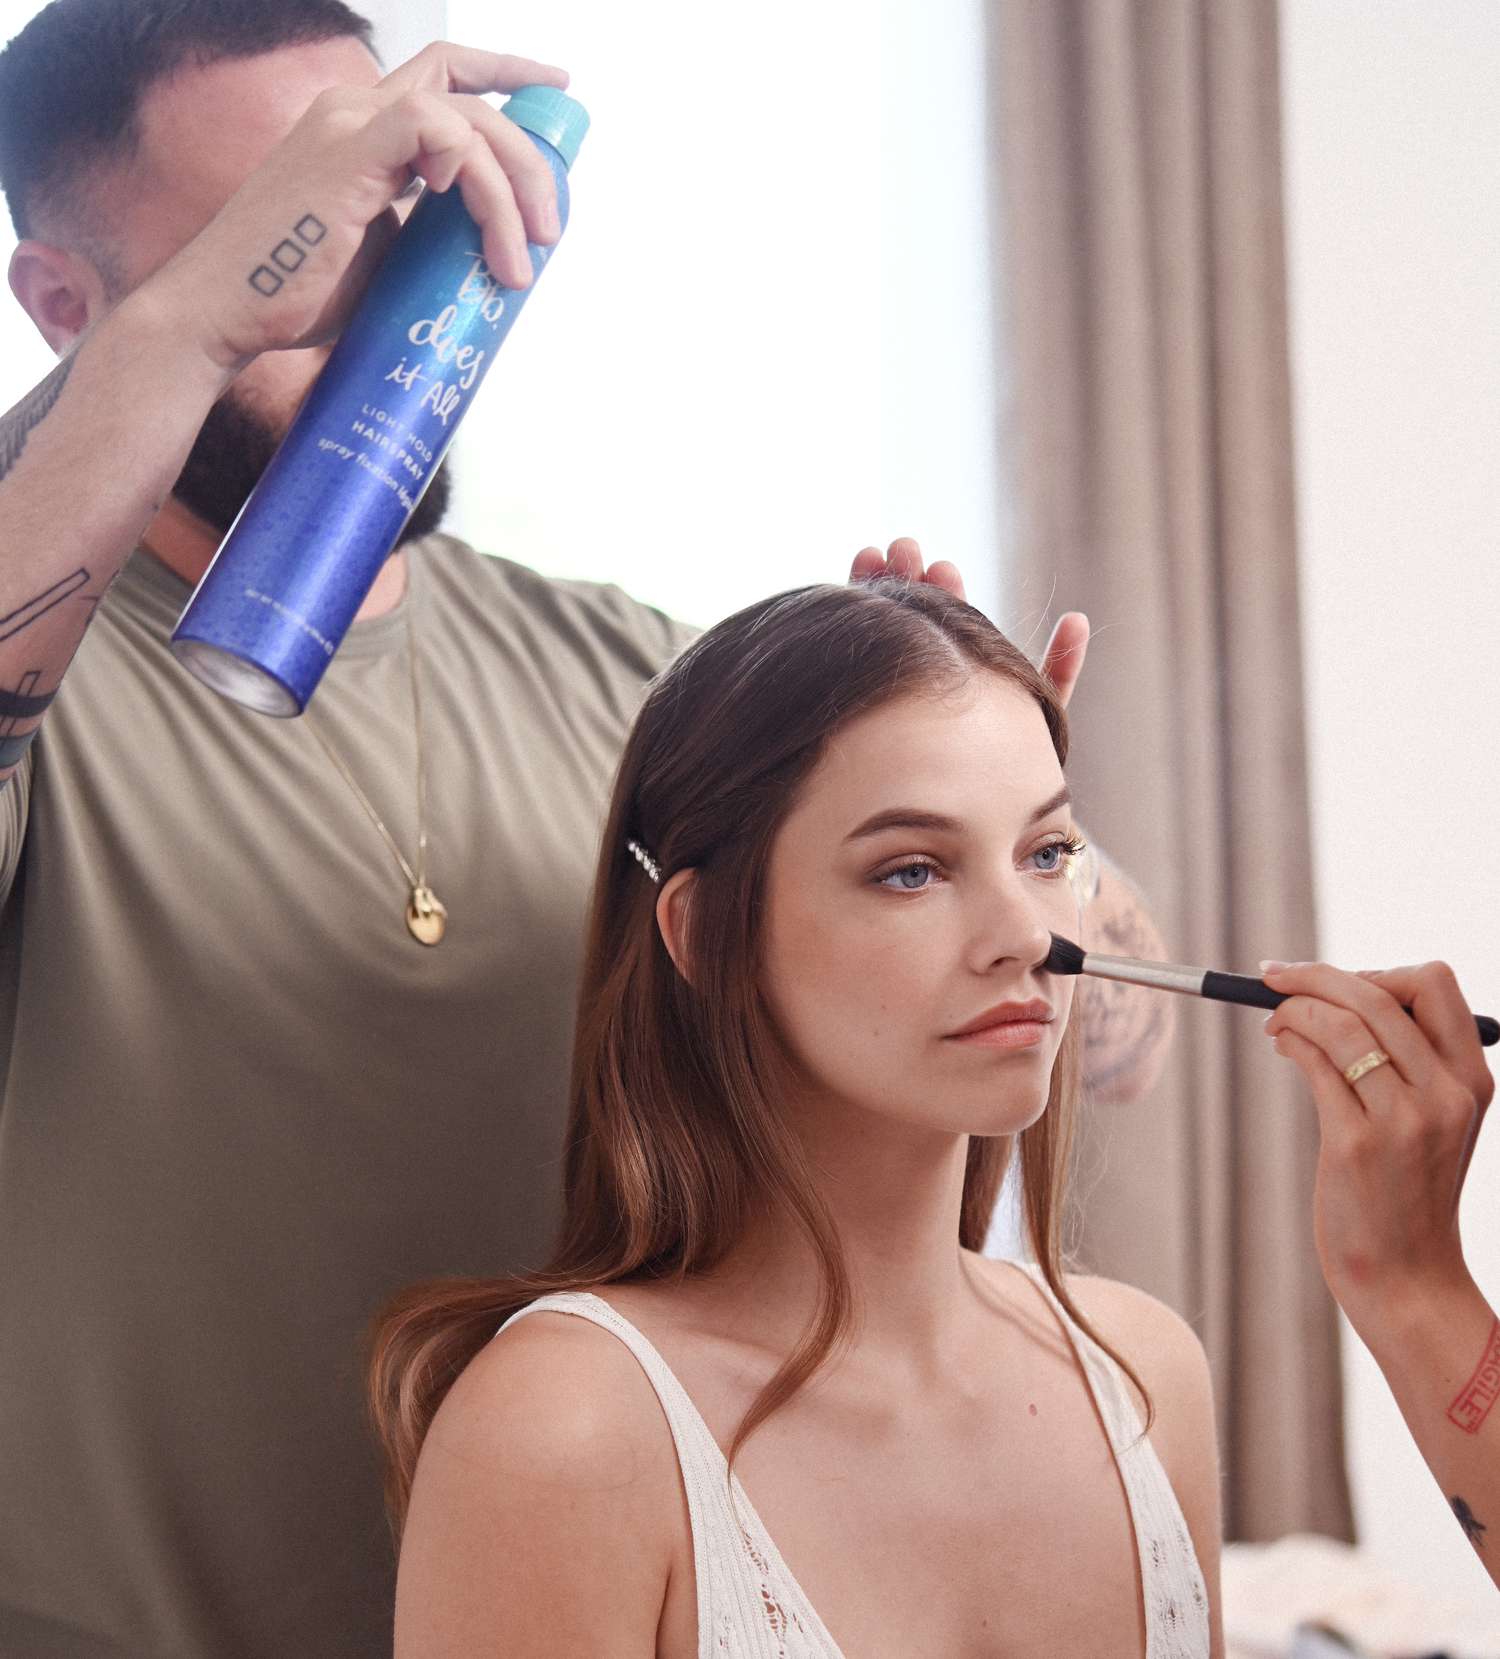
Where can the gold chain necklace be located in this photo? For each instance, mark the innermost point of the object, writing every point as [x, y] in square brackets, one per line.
[426, 916]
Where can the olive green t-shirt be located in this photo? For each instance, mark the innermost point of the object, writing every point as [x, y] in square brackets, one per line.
[242, 1106]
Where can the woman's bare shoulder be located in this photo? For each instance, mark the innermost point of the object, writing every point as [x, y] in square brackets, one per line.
[550, 1454]
[1161, 1345]
[557, 1397]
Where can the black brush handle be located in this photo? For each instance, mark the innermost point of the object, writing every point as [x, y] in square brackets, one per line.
[1255, 993]
[1241, 988]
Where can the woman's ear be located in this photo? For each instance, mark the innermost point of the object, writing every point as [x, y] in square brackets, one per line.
[672, 918]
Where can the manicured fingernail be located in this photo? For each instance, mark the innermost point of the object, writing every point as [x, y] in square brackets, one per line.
[1270, 967]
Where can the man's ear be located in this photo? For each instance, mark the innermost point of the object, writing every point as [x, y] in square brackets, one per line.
[672, 918]
[61, 292]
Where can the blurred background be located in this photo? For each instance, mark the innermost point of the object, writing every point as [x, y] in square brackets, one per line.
[1180, 313]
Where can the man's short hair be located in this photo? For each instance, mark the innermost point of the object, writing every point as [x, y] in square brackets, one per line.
[72, 81]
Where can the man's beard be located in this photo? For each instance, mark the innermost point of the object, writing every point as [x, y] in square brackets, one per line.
[235, 446]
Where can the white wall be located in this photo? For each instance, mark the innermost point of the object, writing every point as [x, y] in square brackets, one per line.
[767, 336]
[1393, 173]
[402, 27]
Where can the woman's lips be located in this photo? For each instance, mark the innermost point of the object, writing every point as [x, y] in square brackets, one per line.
[1007, 1034]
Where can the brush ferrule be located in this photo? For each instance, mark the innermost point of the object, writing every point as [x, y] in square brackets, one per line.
[1163, 976]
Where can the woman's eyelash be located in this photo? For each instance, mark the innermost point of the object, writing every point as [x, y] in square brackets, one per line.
[914, 861]
[1070, 847]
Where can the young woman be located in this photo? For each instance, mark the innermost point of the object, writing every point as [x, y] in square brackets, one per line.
[768, 1399]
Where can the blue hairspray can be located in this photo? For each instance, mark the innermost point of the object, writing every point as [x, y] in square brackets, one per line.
[299, 560]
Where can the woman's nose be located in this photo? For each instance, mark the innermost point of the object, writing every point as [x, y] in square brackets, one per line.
[1013, 927]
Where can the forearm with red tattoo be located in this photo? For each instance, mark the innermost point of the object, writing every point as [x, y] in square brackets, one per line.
[1440, 1352]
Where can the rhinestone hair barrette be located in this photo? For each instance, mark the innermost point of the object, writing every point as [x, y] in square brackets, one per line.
[645, 860]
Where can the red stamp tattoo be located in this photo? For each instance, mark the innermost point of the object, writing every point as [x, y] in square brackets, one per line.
[1481, 1391]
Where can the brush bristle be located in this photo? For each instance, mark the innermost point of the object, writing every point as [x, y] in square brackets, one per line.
[1065, 957]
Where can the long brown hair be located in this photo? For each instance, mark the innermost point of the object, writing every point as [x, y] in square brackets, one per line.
[674, 1135]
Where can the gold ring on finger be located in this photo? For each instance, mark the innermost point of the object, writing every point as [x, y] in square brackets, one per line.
[1366, 1063]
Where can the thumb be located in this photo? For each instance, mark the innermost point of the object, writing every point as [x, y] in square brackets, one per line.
[1062, 661]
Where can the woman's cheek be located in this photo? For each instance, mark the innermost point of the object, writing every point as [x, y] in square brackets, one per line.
[1062, 989]
[814, 976]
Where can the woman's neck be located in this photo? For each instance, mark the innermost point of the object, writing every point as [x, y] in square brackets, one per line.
[895, 1195]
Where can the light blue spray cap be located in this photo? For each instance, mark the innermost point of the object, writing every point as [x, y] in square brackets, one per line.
[551, 115]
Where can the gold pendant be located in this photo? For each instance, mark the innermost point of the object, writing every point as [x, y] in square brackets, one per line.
[426, 916]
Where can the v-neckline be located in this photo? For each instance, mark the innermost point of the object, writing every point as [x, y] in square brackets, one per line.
[758, 1535]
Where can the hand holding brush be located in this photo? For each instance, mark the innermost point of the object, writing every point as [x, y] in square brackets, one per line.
[1398, 1076]
[1401, 1089]
[1068, 958]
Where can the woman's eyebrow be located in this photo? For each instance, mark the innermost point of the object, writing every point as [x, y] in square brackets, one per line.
[935, 823]
[905, 817]
[1049, 806]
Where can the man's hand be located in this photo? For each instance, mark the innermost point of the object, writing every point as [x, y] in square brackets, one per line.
[904, 558]
[324, 194]
[1062, 661]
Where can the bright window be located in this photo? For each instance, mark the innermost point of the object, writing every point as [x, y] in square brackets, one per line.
[769, 336]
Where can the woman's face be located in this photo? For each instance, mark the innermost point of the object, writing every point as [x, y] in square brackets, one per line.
[911, 893]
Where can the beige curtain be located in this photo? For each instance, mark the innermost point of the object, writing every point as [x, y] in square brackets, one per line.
[1142, 232]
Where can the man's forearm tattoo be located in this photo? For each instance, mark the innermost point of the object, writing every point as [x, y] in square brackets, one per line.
[37, 607]
[13, 749]
[17, 425]
[287, 255]
[1122, 1030]
[21, 704]
[1474, 1528]
[1123, 930]
[1481, 1391]
[1117, 1031]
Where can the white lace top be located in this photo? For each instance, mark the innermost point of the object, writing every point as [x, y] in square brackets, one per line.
[750, 1606]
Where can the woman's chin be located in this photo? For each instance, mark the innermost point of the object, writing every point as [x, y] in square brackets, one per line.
[987, 1117]
[991, 1122]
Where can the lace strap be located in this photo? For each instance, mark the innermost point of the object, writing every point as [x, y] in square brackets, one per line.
[698, 1455]
[749, 1604]
[1172, 1586]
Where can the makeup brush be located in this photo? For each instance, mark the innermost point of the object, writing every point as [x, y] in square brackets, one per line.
[1067, 958]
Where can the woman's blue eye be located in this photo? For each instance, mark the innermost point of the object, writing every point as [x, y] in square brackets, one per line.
[910, 878]
[1054, 858]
